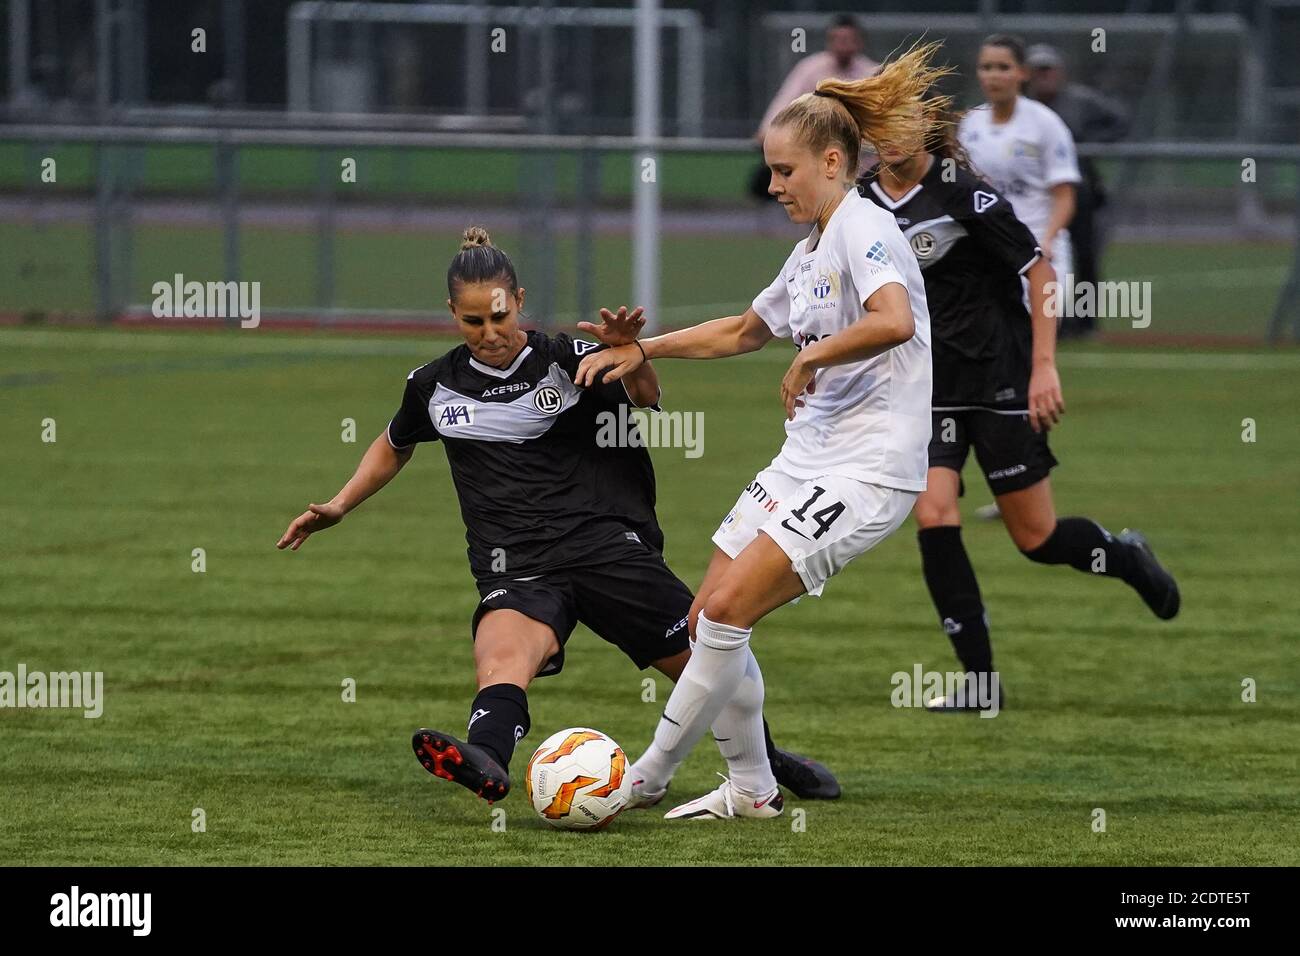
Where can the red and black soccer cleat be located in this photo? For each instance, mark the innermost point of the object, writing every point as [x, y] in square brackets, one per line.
[470, 766]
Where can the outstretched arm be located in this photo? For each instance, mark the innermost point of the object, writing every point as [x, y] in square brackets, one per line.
[732, 335]
[378, 466]
[622, 328]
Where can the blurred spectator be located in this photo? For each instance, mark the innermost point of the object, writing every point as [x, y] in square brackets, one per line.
[1092, 118]
[842, 59]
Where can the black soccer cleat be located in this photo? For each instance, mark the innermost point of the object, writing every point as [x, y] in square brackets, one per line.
[1156, 585]
[804, 777]
[466, 764]
[962, 701]
[961, 704]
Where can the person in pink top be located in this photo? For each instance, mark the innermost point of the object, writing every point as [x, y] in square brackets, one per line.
[842, 59]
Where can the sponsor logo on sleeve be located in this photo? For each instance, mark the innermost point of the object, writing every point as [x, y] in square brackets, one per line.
[983, 200]
[582, 347]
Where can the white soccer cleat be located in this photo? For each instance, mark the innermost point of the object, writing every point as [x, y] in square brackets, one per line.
[727, 803]
[642, 798]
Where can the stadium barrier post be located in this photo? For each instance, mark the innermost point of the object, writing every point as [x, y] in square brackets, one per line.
[325, 223]
[227, 178]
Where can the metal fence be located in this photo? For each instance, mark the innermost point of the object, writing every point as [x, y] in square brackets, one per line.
[1212, 227]
[565, 68]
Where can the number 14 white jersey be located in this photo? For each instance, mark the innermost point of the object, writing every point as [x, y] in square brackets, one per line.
[868, 420]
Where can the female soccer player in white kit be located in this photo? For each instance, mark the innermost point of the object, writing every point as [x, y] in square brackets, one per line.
[857, 402]
[1023, 149]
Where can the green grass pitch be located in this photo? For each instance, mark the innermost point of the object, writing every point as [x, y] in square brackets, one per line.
[223, 689]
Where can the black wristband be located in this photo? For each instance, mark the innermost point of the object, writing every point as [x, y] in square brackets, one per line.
[637, 343]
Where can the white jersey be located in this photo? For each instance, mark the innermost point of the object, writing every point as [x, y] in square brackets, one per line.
[868, 420]
[1022, 158]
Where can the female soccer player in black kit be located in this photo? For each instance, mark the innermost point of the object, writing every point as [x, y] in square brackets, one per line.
[996, 389]
[560, 529]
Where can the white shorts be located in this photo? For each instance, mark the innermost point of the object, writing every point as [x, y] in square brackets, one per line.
[821, 524]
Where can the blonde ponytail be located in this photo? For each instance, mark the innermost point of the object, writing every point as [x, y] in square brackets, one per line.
[890, 110]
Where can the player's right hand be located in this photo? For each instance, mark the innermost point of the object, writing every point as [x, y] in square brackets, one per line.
[315, 518]
[619, 361]
[617, 328]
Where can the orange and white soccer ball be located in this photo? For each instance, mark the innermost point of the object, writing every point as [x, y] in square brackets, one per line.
[578, 779]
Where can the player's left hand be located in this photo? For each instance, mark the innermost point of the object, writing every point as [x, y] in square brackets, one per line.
[797, 378]
[1046, 404]
[615, 363]
[617, 328]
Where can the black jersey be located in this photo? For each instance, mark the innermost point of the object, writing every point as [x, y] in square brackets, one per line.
[972, 251]
[537, 493]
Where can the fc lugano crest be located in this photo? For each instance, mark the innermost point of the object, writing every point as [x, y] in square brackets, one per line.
[548, 399]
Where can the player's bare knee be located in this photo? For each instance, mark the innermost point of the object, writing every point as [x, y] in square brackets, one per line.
[724, 606]
[1029, 536]
[936, 514]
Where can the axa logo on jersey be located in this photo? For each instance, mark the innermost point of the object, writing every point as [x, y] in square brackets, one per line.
[451, 416]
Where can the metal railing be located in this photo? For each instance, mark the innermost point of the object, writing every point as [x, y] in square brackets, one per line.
[579, 216]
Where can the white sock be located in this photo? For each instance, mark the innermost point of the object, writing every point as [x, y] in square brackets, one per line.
[739, 732]
[708, 681]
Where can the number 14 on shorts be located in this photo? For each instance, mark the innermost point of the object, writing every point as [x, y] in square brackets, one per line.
[823, 518]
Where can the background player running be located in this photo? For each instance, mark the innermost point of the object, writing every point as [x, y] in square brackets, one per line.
[996, 390]
[1023, 148]
[856, 396]
[560, 530]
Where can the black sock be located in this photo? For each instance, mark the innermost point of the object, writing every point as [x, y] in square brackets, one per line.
[956, 595]
[767, 739]
[498, 719]
[1085, 546]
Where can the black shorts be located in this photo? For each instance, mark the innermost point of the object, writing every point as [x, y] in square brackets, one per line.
[1010, 453]
[626, 594]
